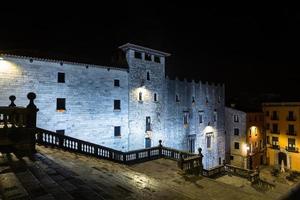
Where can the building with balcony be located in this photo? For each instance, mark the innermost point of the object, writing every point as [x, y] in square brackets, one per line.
[282, 133]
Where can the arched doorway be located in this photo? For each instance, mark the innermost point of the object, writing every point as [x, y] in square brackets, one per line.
[282, 156]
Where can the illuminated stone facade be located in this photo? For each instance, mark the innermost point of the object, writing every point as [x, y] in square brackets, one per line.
[282, 122]
[236, 146]
[125, 108]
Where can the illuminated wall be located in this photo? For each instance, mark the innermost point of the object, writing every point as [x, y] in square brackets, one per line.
[89, 92]
[283, 134]
[236, 145]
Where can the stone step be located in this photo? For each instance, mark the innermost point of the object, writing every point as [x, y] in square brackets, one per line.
[11, 188]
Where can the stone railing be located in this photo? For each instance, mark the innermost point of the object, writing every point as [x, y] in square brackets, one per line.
[251, 175]
[49, 138]
[17, 125]
[213, 172]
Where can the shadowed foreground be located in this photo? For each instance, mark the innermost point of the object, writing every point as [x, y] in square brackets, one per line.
[55, 174]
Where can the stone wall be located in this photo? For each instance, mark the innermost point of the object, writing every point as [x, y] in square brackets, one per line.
[89, 93]
[238, 155]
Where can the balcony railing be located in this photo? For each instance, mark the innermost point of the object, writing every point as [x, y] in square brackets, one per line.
[291, 132]
[292, 149]
[291, 118]
[274, 117]
[275, 131]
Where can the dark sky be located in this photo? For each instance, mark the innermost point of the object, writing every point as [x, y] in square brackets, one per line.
[252, 51]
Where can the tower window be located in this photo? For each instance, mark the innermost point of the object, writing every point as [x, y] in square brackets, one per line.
[60, 104]
[148, 123]
[117, 104]
[140, 96]
[155, 97]
[138, 55]
[157, 59]
[148, 76]
[235, 118]
[185, 118]
[193, 100]
[200, 117]
[177, 98]
[117, 83]
[117, 131]
[60, 77]
[208, 141]
[236, 145]
[148, 57]
[236, 131]
[215, 116]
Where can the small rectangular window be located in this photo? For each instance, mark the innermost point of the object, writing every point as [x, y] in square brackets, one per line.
[155, 97]
[177, 98]
[138, 55]
[200, 118]
[60, 104]
[208, 141]
[157, 59]
[231, 157]
[117, 104]
[235, 118]
[185, 118]
[236, 131]
[237, 145]
[117, 83]
[148, 57]
[117, 131]
[60, 132]
[60, 77]
[148, 76]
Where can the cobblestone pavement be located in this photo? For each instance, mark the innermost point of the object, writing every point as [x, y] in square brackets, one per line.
[56, 174]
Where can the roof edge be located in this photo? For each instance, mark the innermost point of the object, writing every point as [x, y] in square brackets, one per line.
[138, 47]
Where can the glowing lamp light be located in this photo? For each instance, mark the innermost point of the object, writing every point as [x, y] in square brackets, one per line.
[1, 58]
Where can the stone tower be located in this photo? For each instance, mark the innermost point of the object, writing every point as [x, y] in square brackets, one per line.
[146, 86]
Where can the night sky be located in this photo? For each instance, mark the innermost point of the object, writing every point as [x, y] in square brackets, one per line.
[253, 51]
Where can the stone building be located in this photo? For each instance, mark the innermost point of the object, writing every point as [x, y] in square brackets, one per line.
[256, 139]
[236, 145]
[282, 130]
[129, 106]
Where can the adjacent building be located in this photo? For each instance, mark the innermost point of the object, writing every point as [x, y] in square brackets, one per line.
[236, 144]
[127, 106]
[256, 139]
[282, 122]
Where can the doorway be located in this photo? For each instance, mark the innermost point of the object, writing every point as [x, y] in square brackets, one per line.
[282, 156]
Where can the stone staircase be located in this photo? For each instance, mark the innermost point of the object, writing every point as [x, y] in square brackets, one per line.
[40, 178]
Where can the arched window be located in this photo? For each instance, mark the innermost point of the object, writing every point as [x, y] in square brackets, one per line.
[148, 76]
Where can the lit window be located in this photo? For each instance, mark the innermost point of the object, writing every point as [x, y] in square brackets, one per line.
[117, 131]
[60, 104]
[60, 77]
[117, 104]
